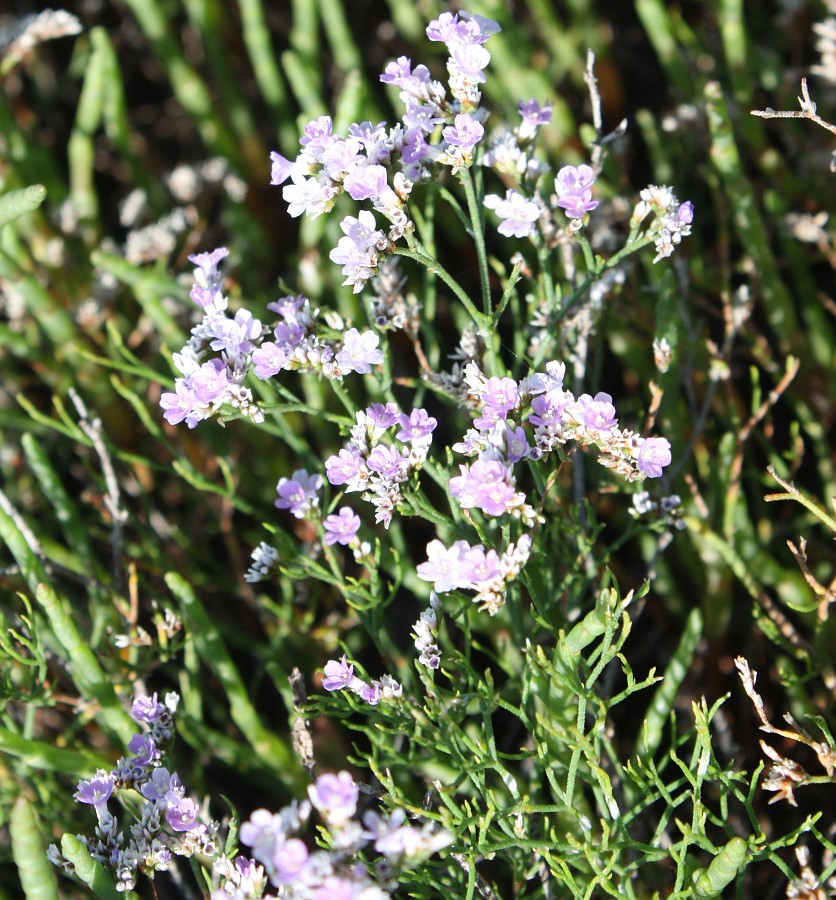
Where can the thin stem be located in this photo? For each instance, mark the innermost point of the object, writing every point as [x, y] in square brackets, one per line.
[473, 194]
[794, 494]
[417, 253]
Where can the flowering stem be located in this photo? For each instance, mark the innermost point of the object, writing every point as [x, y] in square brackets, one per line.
[417, 253]
[473, 192]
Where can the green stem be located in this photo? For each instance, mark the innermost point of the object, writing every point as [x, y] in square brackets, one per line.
[417, 253]
[473, 193]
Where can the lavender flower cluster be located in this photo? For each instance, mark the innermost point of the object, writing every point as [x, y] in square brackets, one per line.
[672, 220]
[359, 165]
[463, 567]
[283, 859]
[528, 419]
[376, 467]
[206, 385]
[168, 823]
[339, 676]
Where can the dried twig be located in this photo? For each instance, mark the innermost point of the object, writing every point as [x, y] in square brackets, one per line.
[807, 111]
[118, 516]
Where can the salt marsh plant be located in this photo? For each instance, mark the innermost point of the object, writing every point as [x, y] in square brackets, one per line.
[418, 560]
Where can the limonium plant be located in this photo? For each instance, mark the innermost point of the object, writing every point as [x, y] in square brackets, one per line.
[461, 497]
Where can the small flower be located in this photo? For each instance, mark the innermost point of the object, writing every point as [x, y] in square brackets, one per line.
[299, 493]
[343, 467]
[97, 791]
[487, 484]
[465, 133]
[388, 462]
[268, 360]
[288, 862]
[210, 381]
[417, 426]
[335, 797]
[533, 116]
[180, 405]
[360, 352]
[518, 214]
[280, 169]
[342, 527]
[597, 412]
[366, 183]
[143, 750]
[445, 566]
[573, 187]
[183, 816]
[654, 455]
[338, 675]
[147, 709]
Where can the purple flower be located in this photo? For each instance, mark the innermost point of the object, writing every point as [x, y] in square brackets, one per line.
[387, 462]
[342, 527]
[366, 183]
[368, 134]
[343, 467]
[547, 409]
[518, 214]
[461, 28]
[465, 132]
[399, 72]
[516, 443]
[597, 412]
[334, 797]
[369, 693]
[268, 360]
[208, 262]
[316, 133]
[445, 567]
[183, 816]
[143, 750]
[573, 186]
[299, 493]
[147, 709]
[235, 336]
[288, 862]
[421, 116]
[338, 675]
[533, 116]
[262, 831]
[415, 146]
[360, 352]
[341, 157]
[417, 426]
[180, 405]
[499, 396]
[654, 455]
[480, 567]
[685, 213]
[209, 381]
[383, 415]
[97, 791]
[280, 169]
[208, 280]
[157, 788]
[487, 485]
